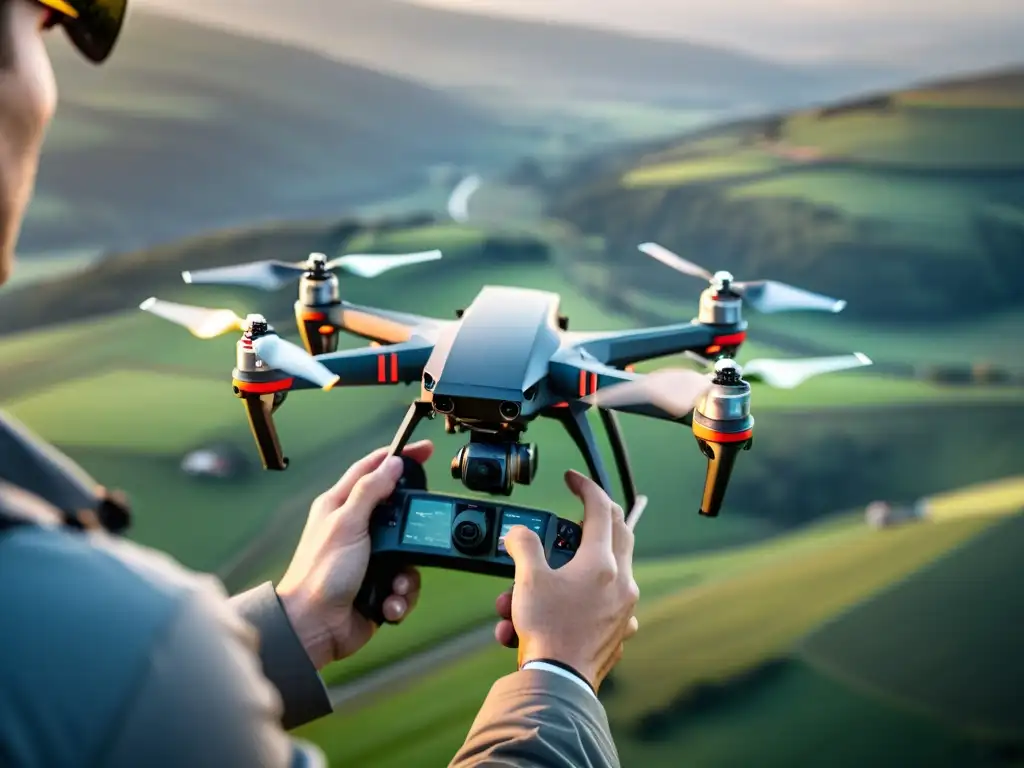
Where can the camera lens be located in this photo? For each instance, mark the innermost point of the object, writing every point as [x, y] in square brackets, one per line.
[469, 533]
[428, 381]
[444, 404]
[509, 410]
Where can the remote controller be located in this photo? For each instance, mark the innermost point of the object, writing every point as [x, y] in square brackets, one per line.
[416, 527]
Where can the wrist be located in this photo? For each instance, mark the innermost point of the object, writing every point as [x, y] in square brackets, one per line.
[565, 661]
[560, 668]
[313, 633]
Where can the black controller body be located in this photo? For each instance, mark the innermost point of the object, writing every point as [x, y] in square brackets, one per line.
[418, 528]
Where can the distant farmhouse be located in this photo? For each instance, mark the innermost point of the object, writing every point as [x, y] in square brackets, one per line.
[882, 514]
[221, 461]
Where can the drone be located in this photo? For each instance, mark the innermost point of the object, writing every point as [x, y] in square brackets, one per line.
[318, 308]
[510, 358]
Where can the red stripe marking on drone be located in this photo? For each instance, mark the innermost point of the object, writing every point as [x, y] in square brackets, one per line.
[263, 387]
[730, 339]
[381, 369]
[313, 317]
[588, 383]
[715, 436]
[394, 367]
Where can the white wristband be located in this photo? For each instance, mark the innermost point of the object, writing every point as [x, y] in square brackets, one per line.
[543, 666]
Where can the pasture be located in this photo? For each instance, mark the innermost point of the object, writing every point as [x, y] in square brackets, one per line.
[127, 394]
[136, 386]
[713, 662]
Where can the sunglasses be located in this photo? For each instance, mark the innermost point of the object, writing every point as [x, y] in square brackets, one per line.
[93, 26]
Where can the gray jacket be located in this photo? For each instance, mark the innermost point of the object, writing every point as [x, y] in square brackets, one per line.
[114, 655]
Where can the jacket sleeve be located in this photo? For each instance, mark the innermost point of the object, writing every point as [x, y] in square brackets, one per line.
[285, 662]
[534, 717]
[202, 699]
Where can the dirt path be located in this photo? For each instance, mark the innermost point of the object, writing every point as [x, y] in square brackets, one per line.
[403, 673]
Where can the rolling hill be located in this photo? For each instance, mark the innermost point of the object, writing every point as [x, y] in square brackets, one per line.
[919, 192]
[190, 128]
[525, 59]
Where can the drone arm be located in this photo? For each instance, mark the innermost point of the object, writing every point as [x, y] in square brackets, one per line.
[374, 366]
[387, 327]
[622, 348]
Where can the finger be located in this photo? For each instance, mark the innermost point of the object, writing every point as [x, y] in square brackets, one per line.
[395, 608]
[407, 582]
[609, 665]
[337, 495]
[526, 551]
[622, 542]
[597, 513]
[631, 629]
[369, 491]
[503, 605]
[505, 634]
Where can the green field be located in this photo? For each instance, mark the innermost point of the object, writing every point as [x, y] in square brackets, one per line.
[129, 393]
[956, 660]
[729, 696]
[739, 164]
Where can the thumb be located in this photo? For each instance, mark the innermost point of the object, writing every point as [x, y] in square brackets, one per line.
[526, 550]
[369, 491]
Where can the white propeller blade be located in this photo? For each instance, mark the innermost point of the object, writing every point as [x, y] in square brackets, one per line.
[371, 265]
[786, 374]
[265, 275]
[673, 260]
[285, 356]
[200, 321]
[771, 296]
[458, 201]
[675, 390]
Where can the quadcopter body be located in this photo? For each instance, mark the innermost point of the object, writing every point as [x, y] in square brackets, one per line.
[505, 360]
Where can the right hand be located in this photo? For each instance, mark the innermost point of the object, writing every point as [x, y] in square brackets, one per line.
[581, 613]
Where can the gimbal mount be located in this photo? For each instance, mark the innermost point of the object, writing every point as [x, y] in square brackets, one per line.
[504, 460]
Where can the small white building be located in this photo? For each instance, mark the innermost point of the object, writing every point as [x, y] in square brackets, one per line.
[882, 514]
[220, 462]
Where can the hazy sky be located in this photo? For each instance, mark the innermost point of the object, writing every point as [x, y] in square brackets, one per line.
[798, 29]
[924, 35]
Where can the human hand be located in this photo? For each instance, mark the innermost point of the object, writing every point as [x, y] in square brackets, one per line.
[328, 567]
[582, 613]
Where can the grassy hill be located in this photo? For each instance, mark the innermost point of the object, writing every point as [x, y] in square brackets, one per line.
[908, 204]
[716, 673]
[127, 394]
[188, 128]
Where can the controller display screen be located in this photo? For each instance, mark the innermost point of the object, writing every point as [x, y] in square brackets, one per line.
[429, 524]
[536, 523]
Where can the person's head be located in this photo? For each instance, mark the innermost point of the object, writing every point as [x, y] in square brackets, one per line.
[28, 92]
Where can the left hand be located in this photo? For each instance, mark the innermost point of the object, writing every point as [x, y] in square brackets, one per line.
[329, 564]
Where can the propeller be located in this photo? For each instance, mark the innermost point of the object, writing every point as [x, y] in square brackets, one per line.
[271, 274]
[282, 354]
[675, 390]
[200, 321]
[787, 374]
[765, 296]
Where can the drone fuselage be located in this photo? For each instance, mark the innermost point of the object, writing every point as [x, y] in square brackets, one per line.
[490, 369]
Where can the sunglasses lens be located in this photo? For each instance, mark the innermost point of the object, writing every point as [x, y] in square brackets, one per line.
[97, 27]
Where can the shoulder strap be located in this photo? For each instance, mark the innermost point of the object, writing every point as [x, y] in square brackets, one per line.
[19, 507]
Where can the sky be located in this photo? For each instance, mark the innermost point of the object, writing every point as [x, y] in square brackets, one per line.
[801, 30]
[925, 36]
